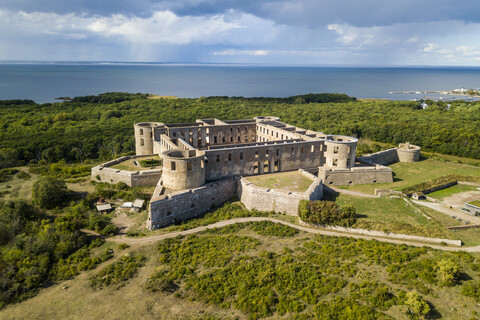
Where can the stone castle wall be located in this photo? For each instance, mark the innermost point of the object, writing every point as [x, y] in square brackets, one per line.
[187, 204]
[143, 178]
[355, 175]
[405, 152]
[383, 157]
[264, 199]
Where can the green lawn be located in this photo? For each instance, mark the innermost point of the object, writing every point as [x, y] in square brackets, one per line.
[291, 181]
[411, 173]
[130, 166]
[442, 194]
[475, 203]
[393, 215]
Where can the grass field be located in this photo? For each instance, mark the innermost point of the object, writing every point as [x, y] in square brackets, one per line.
[291, 181]
[393, 215]
[475, 203]
[407, 174]
[129, 164]
[442, 194]
[17, 188]
[75, 299]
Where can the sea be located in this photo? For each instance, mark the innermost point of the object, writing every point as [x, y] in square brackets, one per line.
[44, 82]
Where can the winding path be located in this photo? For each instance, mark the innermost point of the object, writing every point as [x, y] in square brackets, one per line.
[150, 239]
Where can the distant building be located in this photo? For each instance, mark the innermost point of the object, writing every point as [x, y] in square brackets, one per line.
[471, 209]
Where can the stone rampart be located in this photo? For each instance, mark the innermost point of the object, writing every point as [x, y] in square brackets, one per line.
[142, 178]
[264, 199]
[355, 175]
[383, 157]
[187, 204]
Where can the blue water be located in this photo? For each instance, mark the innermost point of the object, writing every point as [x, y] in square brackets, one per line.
[45, 82]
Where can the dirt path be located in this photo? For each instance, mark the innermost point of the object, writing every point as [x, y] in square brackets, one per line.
[147, 240]
[448, 211]
[122, 222]
[459, 199]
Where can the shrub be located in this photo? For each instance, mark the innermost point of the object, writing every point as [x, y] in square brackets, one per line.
[416, 306]
[123, 246]
[109, 230]
[448, 272]
[150, 162]
[118, 272]
[23, 175]
[326, 213]
[48, 192]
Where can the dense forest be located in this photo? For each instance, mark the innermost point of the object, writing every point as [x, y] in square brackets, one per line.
[101, 127]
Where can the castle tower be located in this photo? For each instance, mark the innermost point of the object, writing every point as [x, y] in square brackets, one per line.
[340, 151]
[183, 169]
[144, 137]
[408, 152]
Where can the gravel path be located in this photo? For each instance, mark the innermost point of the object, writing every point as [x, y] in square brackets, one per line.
[151, 239]
[448, 211]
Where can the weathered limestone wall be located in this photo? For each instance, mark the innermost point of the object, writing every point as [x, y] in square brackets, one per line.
[263, 158]
[355, 175]
[405, 152]
[264, 199]
[383, 157]
[408, 152]
[215, 133]
[143, 178]
[144, 137]
[187, 204]
[183, 169]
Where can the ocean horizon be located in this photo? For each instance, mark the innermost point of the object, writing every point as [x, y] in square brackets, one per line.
[44, 81]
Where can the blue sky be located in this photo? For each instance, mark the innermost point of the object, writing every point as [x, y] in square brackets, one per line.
[280, 32]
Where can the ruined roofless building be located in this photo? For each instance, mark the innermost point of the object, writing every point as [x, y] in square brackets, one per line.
[204, 164]
[212, 149]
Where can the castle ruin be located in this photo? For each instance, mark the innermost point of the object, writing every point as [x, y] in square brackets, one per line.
[204, 164]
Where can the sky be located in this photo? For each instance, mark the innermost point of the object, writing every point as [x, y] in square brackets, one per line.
[273, 32]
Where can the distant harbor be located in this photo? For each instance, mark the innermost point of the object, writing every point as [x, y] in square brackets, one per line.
[464, 94]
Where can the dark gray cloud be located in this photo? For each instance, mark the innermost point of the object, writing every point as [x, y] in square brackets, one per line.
[291, 12]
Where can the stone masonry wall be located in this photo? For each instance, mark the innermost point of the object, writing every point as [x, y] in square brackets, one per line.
[264, 199]
[187, 204]
[143, 178]
[356, 175]
[383, 157]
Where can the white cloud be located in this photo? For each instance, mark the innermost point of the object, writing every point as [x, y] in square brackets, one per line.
[161, 27]
[430, 47]
[234, 52]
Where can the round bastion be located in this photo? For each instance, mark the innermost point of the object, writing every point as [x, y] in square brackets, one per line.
[340, 151]
[144, 132]
[408, 152]
[183, 169]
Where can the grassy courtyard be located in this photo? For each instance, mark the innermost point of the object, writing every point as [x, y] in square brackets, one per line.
[130, 165]
[291, 181]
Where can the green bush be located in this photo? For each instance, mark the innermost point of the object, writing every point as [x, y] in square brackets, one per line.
[23, 175]
[118, 272]
[326, 213]
[48, 192]
[150, 162]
